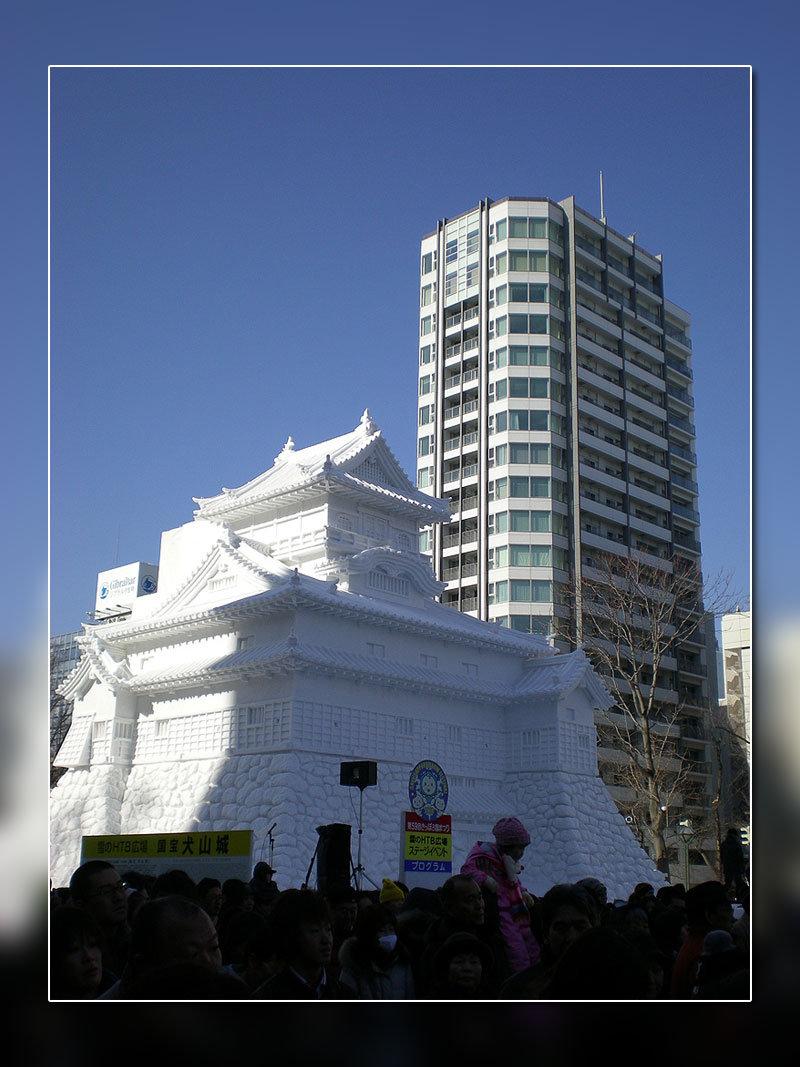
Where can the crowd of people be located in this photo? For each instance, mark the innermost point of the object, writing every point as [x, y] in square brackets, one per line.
[120, 934]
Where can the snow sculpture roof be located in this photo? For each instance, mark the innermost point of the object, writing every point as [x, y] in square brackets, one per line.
[351, 462]
[561, 675]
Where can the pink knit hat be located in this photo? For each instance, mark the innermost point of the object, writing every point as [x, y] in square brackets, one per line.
[510, 832]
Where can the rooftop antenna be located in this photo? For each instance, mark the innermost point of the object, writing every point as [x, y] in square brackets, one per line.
[602, 204]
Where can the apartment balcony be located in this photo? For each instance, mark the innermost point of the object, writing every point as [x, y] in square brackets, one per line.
[693, 670]
[685, 483]
[653, 529]
[586, 278]
[647, 347]
[465, 537]
[611, 541]
[619, 272]
[687, 544]
[679, 366]
[681, 395]
[648, 465]
[597, 439]
[591, 252]
[604, 351]
[602, 413]
[650, 374]
[613, 512]
[680, 423]
[648, 315]
[590, 471]
[647, 496]
[678, 337]
[686, 513]
[650, 435]
[602, 324]
[692, 728]
[683, 453]
[636, 398]
[600, 381]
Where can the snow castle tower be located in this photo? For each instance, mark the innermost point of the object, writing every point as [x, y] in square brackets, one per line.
[296, 626]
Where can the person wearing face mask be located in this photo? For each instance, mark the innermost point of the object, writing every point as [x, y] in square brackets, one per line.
[374, 964]
[496, 866]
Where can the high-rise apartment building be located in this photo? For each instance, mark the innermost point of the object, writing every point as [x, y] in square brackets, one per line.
[556, 415]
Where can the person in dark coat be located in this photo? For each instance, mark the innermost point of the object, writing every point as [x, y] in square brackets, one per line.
[463, 912]
[374, 964]
[734, 864]
[563, 914]
[303, 941]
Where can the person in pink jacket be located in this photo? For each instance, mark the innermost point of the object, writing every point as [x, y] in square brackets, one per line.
[495, 866]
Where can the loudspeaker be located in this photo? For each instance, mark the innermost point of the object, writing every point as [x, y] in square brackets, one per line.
[361, 773]
[333, 855]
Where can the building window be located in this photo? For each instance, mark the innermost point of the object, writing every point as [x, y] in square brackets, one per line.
[426, 295]
[530, 556]
[245, 642]
[471, 669]
[427, 660]
[379, 651]
[427, 263]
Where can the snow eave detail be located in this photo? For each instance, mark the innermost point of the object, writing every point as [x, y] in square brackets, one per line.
[300, 591]
[269, 663]
[231, 508]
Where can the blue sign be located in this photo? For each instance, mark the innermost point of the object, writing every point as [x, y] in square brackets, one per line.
[427, 790]
[148, 583]
[104, 592]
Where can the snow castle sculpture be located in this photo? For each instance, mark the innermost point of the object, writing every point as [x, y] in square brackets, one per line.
[295, 627]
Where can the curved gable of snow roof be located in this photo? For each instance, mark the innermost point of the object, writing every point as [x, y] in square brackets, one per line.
[360, 457]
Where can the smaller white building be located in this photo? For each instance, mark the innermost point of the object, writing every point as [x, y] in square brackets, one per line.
[295, 627]
[736, 654]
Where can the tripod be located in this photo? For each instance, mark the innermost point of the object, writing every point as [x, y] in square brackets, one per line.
[359, 871]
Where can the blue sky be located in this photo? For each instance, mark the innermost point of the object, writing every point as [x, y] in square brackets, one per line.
[234, 252]
[234, 258]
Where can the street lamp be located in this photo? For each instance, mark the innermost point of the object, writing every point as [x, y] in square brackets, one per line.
[686, 834]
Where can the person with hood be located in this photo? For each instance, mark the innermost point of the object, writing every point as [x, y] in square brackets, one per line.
[495, 866]
[374, 964]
